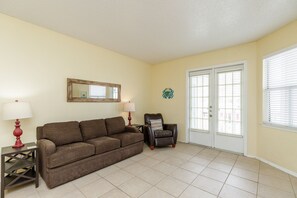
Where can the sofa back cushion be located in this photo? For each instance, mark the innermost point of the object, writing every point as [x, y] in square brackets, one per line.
[62, 132]
[93, 128]
[115, 125]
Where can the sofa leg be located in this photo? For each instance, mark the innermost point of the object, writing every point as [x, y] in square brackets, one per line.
[152, 147]
[173, 145]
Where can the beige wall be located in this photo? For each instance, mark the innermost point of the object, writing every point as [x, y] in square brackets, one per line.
[276, 145]
[34, 65]
[173, 74]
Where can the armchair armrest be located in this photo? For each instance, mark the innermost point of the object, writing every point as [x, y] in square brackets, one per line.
[131, 129]
[173, 128]
[151, 136]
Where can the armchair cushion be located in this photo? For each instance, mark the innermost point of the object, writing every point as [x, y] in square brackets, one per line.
[163, 133]
[156, 124]
[148, 117]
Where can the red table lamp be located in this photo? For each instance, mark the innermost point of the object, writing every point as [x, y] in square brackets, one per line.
[15, 111]
[129, 107]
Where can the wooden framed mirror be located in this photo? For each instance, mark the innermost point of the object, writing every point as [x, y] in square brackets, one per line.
[92, 91]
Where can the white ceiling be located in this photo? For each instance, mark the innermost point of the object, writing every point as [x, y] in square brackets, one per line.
[157, 30]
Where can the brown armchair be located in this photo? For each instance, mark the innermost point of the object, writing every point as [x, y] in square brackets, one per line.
[163, 136]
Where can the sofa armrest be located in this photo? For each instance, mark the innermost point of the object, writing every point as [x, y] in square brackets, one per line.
[173, 128]
[132, 129]
[46, 147]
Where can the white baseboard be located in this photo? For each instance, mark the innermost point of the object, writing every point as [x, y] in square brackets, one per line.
[274, 165]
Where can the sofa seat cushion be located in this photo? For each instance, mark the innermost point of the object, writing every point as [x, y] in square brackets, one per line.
[163, 133]
[93, 128]
[69, 153]
[62, 133]
[104, 144]
[128, 138]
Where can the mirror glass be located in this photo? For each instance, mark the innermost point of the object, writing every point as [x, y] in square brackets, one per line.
[92, 91]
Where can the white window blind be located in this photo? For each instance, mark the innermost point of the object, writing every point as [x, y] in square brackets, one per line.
[280, 89]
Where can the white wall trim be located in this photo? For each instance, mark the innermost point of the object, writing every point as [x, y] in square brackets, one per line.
[245, 106]
[274, 165]
[187, 108]
[279, 51]
[216, 66]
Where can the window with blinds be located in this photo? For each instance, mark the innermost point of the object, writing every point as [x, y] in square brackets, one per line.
[280, 89]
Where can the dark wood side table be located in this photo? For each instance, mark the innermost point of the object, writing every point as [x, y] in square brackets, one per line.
[140, 127]
[19, 166]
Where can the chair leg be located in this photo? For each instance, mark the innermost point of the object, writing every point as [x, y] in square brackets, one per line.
[173, 145]
[152, 147]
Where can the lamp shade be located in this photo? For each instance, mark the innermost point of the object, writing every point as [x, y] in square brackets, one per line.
[16, 110]
[129, 107]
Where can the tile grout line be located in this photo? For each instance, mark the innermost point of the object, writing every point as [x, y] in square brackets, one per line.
[85, 185]
[179, 179]
[215, 169]
[191, 171]
[246, 179]
[292, 186]
[228, 175]
[152, 185]
[258, 179]
[186, 160]
[140, 179]
[115, 187]
[134, 176]
[206, 166]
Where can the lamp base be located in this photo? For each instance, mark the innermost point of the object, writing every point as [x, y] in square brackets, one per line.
[18, 145]
[17, 133]
[129, 119]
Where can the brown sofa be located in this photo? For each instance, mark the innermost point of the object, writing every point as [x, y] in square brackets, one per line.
[69, 150]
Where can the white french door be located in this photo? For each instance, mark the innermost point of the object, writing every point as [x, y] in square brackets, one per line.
[216, 107]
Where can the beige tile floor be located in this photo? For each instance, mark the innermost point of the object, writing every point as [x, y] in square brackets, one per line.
[185, 171]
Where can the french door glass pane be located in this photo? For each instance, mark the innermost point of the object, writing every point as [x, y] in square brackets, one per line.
[199, 117]
[229, 102]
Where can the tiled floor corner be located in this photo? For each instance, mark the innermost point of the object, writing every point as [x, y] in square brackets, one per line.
[185, 171]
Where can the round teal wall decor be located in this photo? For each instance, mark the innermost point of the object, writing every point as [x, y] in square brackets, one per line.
[168, 93]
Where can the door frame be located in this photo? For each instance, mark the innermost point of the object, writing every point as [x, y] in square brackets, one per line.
[244, 98]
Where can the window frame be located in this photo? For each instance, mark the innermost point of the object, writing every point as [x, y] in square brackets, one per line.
[265, 105]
